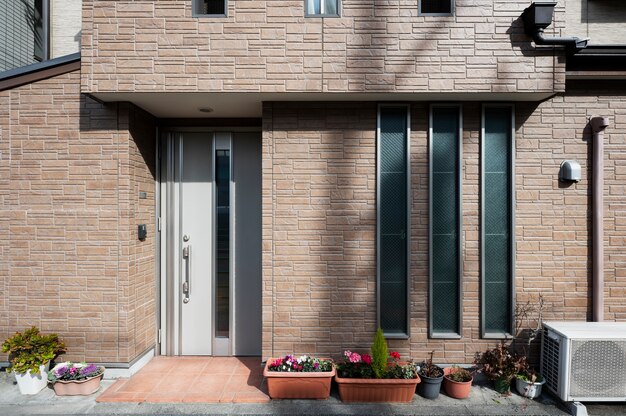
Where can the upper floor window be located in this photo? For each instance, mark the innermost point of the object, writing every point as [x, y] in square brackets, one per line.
[209, 7]
[322, 7]
[436, 7]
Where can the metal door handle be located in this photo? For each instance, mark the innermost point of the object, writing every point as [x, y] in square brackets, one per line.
[187, 282]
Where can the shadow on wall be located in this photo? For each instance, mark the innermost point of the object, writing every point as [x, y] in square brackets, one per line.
[603, 11]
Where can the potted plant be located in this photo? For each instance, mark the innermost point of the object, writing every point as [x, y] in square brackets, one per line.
[305, 377]
[529, 383]
[431, 376]
[30, 354]
[457, 382]
[75, 379]
[500, 365]
[379, 377]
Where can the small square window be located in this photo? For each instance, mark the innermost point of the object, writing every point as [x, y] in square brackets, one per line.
[209, 8]
[436, 7]
[322, 7]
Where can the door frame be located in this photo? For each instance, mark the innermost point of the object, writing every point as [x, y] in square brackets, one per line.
[166, 256]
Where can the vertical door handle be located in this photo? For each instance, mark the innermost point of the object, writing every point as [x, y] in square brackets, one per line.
[187, 282]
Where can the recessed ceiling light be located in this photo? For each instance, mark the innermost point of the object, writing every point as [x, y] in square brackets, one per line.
[205, 109]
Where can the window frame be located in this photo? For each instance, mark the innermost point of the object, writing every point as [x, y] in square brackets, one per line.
[420, 13]
[196, 5]
[307, 14]
[459, 223]
[407, 108]
[44, 5]
[512, 237]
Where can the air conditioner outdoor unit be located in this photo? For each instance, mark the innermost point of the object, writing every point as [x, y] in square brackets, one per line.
[585, 361]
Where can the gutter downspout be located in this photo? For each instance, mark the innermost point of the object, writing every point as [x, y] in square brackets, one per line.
[572, 44]
[598, 124]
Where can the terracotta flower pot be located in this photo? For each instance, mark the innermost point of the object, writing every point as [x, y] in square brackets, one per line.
[456, 389]
[78, 387]
[298, 385]
[376, 390]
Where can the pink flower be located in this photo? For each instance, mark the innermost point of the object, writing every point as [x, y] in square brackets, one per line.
[355, 357]
[367, 359]
[347, 353]
[395, 355]
[277, 362]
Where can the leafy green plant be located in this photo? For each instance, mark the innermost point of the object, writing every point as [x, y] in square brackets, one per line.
[380, 364]
[530, 376]
[31, 349]
[430, 370]
[379, 354]
[459, 374]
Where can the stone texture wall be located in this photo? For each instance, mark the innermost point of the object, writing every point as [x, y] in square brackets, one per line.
[268, 46]
[319, 215]
[70, 172]
[604, 22]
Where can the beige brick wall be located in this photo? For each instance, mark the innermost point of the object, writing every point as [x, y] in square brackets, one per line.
[319, 218]
[601, 21]
[268, 46]
[71, 263]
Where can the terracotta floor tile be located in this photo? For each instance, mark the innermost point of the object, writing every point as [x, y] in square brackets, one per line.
[175, 384]
[227, 397]
[221, 367]
[243, 383]
[207, 383]
[193, 380]
[251, 397]
[162, 365]
[209, 397]
[142, 383]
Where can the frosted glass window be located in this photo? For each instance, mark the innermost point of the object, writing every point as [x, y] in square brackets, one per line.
[322, 7]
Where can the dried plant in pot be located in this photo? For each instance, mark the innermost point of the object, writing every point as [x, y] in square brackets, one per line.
[501, 365]
[529, 383]
[457, 382]
[75, 379]
[304, 377]
[379, 377]
[30, 354]
[432, 377]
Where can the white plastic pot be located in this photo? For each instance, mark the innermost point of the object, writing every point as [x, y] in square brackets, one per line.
[530, 390]
[33, 383]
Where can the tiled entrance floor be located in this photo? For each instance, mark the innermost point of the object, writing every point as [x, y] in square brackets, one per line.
[193, 379]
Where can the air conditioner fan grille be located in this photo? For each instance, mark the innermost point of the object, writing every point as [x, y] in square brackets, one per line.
[598, 368]
[550, 361]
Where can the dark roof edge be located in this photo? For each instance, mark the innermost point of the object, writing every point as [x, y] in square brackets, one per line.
[39, 71]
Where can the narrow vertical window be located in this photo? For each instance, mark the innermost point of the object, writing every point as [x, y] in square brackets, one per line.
[497, 220]
[40, 30]
[209, 7]
[436, 7]
[321, 7]
[393, 219]
[222, 237]
[445, 221]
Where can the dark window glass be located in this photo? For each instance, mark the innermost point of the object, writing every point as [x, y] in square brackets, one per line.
[222, 184]
[497, 227]
[445, 225]
[40, 46]
[211, 7]
[393, 220]
[436, 6]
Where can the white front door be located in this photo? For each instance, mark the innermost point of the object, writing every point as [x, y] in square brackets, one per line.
[199, 185]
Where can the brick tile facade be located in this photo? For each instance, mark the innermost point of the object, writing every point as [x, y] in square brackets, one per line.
[71, 170]
[319, 202]
[269, 46]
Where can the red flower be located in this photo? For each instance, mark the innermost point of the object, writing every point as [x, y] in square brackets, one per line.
[367, 359]
[395, 355]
